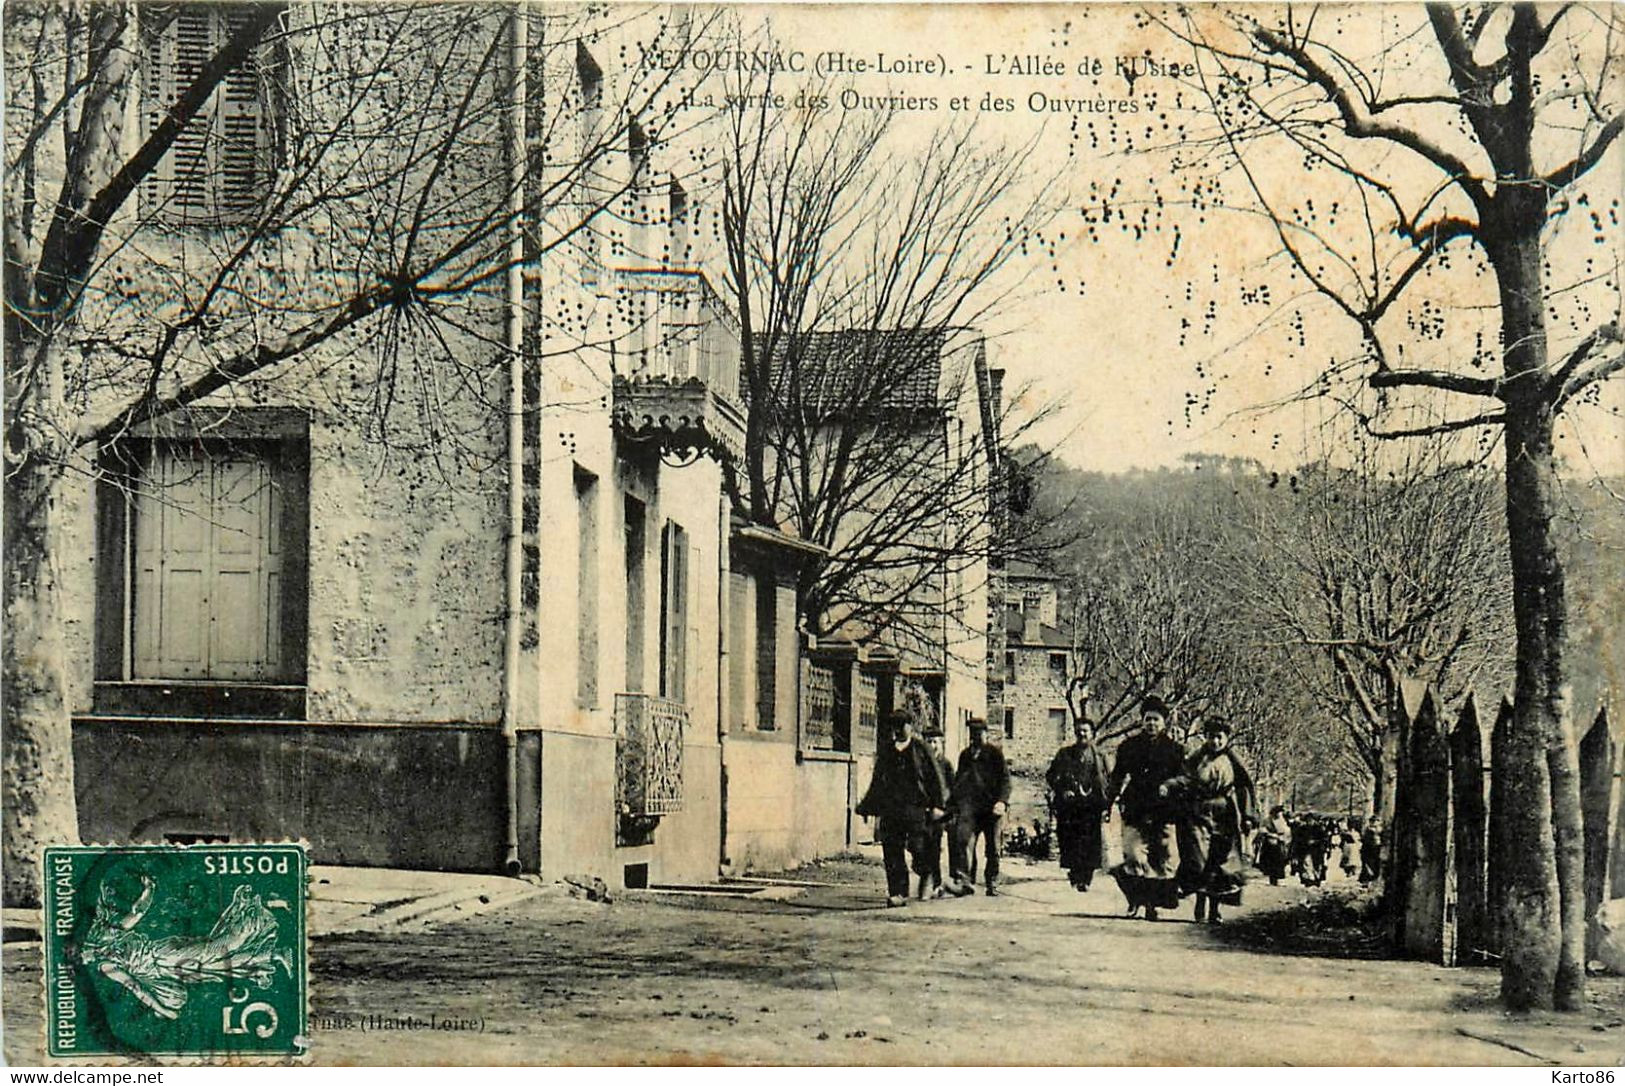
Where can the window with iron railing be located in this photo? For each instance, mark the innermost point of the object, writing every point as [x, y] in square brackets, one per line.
[648, 755]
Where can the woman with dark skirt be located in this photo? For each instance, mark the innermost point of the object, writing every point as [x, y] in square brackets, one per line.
[1215, 799]
[1275, 845]
[1077, 784]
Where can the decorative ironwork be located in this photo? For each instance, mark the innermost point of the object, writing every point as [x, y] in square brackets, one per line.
[648, 755]
[867, 696]
[678, 390]
[818, 709]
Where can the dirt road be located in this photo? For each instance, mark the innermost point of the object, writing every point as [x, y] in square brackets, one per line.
[825, 974]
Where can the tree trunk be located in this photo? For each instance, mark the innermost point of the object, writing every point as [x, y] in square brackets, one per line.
[37, 771]
[1543, 910]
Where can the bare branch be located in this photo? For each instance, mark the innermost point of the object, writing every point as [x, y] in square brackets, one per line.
[1572, 171]
[1493, 418]
[1441, 379]
[1358, 121]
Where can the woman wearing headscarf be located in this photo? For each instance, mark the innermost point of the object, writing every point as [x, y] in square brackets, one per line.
[1078, 795]
[1214, 798]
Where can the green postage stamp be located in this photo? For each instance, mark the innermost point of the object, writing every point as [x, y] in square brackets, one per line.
[175, 950]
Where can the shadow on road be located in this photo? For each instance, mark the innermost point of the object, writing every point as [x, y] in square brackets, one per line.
[1335, 923]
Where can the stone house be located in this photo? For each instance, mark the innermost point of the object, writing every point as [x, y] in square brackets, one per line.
[1032, 718]
[512, 624]
[473, 637]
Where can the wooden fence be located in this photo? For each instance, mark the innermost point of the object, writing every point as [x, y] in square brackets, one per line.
[1442, 868]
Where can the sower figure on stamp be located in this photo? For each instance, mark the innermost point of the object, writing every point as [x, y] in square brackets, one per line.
[1145, 762]
[1214, 797]
[981, 794]
[906, 794]
[1078, 786]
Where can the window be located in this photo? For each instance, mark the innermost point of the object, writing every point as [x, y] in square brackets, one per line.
[674, 612]
[586, 487]
[1010, 668]
[636, 216]
[1009, 723]
[202, 570]
[1057, 664]
[637, 153]
[677, 254]
[766, 654]
[1057, 723]
[220, 167]
[591, 82]
[590, 77]
[636, 542]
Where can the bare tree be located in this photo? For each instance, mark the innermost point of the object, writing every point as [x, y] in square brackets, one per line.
[322, 201]
[864, 282]
[1151, 613]
[1392, 562]
[1457, 149]
[1159, 600]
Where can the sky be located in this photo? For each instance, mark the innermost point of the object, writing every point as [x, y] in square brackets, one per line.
[1095, 326]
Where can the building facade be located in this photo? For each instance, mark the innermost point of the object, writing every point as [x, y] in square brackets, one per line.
[460, 587]
[1037, 664]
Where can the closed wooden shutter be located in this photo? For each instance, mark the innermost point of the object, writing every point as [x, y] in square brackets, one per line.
[171, 567]
[208, 568]
[191, 168]
[219, 167]
[674, 613]
[241, 137]
[159, 39]
[741, 664]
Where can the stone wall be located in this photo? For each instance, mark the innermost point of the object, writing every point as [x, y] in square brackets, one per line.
[1037, 690]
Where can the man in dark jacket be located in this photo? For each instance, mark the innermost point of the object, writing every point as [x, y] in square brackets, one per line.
[981, 794]
[1145, 762]
[931, 879]
[907, 794]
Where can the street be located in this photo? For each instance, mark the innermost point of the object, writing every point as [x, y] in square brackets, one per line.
[814, 970]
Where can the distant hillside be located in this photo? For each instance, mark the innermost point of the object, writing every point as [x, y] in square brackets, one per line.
[1098, 506]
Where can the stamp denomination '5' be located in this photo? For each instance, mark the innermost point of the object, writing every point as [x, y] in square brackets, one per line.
[175, 950]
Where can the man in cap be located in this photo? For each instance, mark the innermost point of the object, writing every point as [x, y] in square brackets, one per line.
[907, 794]
[981, 794]
[1145, 762]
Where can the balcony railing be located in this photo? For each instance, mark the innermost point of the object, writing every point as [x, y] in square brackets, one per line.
[677, 385]
[680, 329]
[648, 755]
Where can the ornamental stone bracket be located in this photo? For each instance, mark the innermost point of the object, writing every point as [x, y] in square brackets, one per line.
[677, 416]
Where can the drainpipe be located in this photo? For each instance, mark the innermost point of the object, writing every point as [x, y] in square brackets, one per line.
[516, 433]
[723, 612]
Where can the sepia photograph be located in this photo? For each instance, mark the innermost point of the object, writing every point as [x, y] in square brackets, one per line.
[892, 534]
